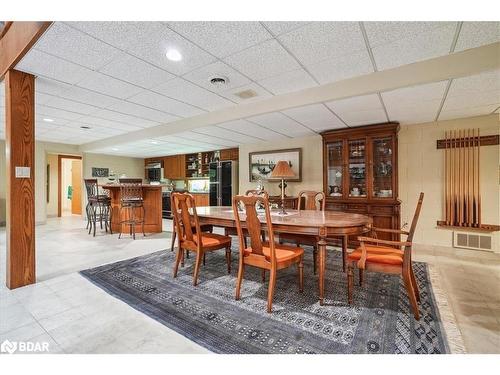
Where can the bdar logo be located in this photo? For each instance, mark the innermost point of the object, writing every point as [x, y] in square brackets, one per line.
[8, 347]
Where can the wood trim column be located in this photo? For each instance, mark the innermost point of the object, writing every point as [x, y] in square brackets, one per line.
[20, 152]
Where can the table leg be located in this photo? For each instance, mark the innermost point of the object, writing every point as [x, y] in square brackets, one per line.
[344, 251]
[322, 264]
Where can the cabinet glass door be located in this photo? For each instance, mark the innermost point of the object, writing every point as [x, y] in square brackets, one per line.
[335, 168]
[357, 168]
[382, 167]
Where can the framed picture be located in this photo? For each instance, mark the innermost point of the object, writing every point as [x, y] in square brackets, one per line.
[100, 172]
[261, 163]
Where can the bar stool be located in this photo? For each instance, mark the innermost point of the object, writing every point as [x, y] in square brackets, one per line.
[98, 206]
[131, 199]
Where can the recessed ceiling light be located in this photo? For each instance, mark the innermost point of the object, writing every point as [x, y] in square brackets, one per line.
[48, 120]
[173, 55]
[85, 127]
[114, 149]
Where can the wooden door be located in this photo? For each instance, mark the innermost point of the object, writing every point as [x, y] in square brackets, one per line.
[76, 183]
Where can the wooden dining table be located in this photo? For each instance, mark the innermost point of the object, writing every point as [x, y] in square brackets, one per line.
[323, 224]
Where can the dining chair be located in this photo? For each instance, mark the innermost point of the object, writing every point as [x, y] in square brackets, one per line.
[231, 231]
[393, 257]
[313, 200]
[266, 255]
[98, 206]
[131, 201]
[195, 241]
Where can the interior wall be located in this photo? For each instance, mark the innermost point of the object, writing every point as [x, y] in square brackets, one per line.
[421, 168]
[66, 182]
[52, 161]
[312, 165]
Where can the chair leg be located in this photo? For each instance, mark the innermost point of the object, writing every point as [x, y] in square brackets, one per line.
[87, 211]
[199, 257]
[263, 275]
[95, 219]
[301, 276]
[204, 255]
[344, 252]
[315, 259]
[241, 270]
[143, 219]
[228, 259]
[132, 226]
[178, 259]
[100, 214]
[411, 295]
[270, 292]
[361, 276]
[110, 218]
[415, 285]
[174, 235]
[350, 282]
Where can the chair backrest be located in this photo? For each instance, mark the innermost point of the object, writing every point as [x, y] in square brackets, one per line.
[183, 220]
[92, 188]
[415, 218]
[131, 191]
[253, 224]
[313, 200]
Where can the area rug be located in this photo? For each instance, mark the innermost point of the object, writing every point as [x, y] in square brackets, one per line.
[379, 321]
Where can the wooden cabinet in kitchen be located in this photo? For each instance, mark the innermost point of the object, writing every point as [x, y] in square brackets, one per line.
[229, 154]
[173, 167]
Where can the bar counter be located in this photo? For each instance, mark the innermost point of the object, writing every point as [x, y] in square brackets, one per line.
[152, 205]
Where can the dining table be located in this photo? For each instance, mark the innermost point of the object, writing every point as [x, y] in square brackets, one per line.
[323, 224]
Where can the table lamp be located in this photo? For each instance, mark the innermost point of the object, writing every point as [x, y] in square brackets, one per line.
[282, 170]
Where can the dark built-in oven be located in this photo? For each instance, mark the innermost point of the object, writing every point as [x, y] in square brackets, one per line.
[166, 209]
[154, 172]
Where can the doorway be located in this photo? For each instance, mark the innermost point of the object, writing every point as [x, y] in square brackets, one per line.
[69, 185]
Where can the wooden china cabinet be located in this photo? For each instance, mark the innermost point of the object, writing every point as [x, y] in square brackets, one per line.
[361, 173]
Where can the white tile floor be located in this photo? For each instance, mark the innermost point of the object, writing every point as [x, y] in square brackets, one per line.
[74, 316]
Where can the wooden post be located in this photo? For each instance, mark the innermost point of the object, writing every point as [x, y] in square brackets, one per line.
[20, 152]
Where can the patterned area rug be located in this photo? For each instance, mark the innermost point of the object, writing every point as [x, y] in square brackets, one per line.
[379, 321]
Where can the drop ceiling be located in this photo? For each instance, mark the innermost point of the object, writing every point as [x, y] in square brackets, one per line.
[114, 78]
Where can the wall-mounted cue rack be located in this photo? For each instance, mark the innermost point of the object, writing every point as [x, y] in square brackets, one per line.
[462, 181]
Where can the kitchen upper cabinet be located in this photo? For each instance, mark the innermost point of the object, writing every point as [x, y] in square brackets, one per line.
[229, 154]
[173, 167]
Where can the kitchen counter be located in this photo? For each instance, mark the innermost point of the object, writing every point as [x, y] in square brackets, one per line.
[152, 195]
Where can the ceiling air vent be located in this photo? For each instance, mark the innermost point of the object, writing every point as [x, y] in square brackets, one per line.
[219, 81]
[473, 241]
[247, 94]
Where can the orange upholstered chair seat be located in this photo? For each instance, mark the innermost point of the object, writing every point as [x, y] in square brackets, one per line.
[210, 240]
[378, 254]
[283, 252]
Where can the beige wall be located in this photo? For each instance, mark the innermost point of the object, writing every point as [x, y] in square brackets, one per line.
[421, 169]
[312, 164]
[52, 204]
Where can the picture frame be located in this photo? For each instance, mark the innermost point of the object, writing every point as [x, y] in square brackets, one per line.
[100, 172]
[261, 164]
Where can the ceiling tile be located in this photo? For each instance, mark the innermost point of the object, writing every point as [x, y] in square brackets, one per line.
[162, 103]
[222, 38]
[259, 90]
[263, 60]
[143, 112]
[42, 64]
[71, 106]
[486, 81]
[316, 117]
[82, 95]
[67, 43]
[97, 121]
[359, 110]
[126, 119]
[319, 41]
[277, 121]
[251, 129]
[281, 27]
[475, 34]
[411, 48]
[414, 104]
[136, 71]
[56, 113]
[226, 134]
[207, 138]
[343, 67]
[149, 41]
[41, 98]
[294, 80]
[187, 92]
[50, 86]
[108, 85]
[467, 112]
[202, 76]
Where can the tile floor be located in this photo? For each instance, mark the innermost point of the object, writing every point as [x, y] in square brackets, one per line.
[74, 316]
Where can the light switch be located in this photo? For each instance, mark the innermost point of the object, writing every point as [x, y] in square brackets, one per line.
[23, 172]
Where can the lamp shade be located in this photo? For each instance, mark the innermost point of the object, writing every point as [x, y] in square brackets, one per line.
[282, 170]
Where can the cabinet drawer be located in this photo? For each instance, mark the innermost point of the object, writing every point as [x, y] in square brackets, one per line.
[382, 210]
[334, 206]
[358, 208]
